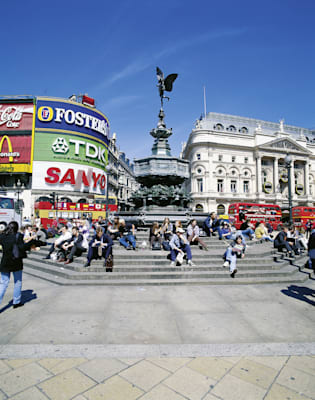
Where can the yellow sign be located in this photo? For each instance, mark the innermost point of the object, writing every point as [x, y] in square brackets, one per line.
[5, 137]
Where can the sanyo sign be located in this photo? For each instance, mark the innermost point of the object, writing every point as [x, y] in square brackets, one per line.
[67, 116]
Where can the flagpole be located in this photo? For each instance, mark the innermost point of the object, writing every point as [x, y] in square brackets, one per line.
[204, 101]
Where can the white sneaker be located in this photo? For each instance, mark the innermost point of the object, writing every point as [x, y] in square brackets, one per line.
[226, 264]
[172, 264]
[191, 263]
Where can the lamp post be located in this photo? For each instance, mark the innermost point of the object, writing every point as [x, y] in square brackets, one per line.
[288, 161]
[108, 169]
[18, 191]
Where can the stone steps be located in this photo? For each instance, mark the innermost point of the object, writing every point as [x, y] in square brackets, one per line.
[147, 267]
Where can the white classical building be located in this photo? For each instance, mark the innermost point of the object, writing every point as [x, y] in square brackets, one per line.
[236, 159]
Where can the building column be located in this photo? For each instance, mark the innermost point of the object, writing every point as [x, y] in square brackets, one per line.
[258, 174]
[306, 178]
[275, 174]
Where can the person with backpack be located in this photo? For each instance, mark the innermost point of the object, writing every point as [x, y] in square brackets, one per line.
[13, 252]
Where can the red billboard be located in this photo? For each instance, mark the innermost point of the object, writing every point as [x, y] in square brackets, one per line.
[16, 117]
[15, 149]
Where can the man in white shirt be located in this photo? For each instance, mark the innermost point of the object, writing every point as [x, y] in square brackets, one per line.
[65, 235]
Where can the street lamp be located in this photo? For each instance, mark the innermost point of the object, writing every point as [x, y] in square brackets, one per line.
[18, 191]
[108, 169]
[288, 161]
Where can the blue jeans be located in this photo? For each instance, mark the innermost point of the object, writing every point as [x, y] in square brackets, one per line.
[128, 239]
[248, 232]
[17, 292]
[231, 256]
[186, 249]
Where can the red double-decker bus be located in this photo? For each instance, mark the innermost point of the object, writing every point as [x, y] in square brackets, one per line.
[63, 211]
[271, 213]
[302, 214]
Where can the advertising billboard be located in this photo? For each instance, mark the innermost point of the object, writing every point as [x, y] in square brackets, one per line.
[51, 176]
[16, 127]
[70, 147]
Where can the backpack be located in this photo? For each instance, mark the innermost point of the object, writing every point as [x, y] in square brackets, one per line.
[109, 263]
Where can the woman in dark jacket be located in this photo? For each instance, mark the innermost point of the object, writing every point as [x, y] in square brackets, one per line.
[10, 264]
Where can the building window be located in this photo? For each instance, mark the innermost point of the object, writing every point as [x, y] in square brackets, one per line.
[233, 186]
[264, 176]
[198, 155]
[311, 189]
[231, 128]
[246, 186]
[244, 130]
[199, 170]
[233, 158]
[219, 127]
[200, 185]
[246, 160]
[220, 158]
[220, 185]
[199, 207]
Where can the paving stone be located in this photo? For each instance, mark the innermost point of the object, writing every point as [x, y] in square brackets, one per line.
[210, 397]
[162, 392]
[66, 385]
[233, 388]
[30, 394]
[302, 363]
[254, 373]
[64, 365]
[189, 383]
[4, 367]
[278, 392]
[22, 378]
[17, 363]
[115, 388]
[272, 362]
[213, 367]
[145, 375]
[2, 396]
[130, 361]
[50, 363]
[233, 360]
[101, 369]
[171, 364]
[298, 381]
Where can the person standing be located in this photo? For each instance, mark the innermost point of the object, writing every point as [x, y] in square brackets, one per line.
[9, 263]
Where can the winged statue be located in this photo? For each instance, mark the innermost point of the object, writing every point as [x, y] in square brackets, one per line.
[164, 84]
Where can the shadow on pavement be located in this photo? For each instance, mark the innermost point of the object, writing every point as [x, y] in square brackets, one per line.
[27, 296]
[300, 293]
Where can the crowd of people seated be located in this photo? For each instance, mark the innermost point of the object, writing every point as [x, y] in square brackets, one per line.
[96, 239]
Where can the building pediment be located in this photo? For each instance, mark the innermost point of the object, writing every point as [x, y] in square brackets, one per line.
[286, 145]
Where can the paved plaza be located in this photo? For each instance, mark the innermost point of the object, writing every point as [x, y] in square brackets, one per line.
[189, 342]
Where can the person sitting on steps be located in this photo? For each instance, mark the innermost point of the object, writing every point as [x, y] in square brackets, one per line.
[234, 251]
[179, 244]
[127, 235]
[74, 246]
[65, 235]
[193, 233]
[100, 246]
[281, 242]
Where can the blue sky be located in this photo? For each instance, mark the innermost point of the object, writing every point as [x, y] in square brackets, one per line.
[255, 58]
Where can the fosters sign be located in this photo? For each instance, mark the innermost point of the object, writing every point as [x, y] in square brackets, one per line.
[70, 147]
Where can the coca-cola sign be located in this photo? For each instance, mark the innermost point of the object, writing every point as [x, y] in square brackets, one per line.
[14, 116]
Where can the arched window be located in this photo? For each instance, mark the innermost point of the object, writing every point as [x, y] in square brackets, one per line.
[219, 127]
[66, 200]
[221, 209]
[43, 198]
[231, 128]
[243, 129]
[199, 207]
[82, 201]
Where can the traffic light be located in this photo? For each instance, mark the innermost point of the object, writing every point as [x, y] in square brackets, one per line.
[53, 199]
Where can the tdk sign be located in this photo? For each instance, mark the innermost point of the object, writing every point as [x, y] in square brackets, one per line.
[66, 116]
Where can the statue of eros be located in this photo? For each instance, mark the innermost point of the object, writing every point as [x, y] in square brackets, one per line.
[164, 84]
